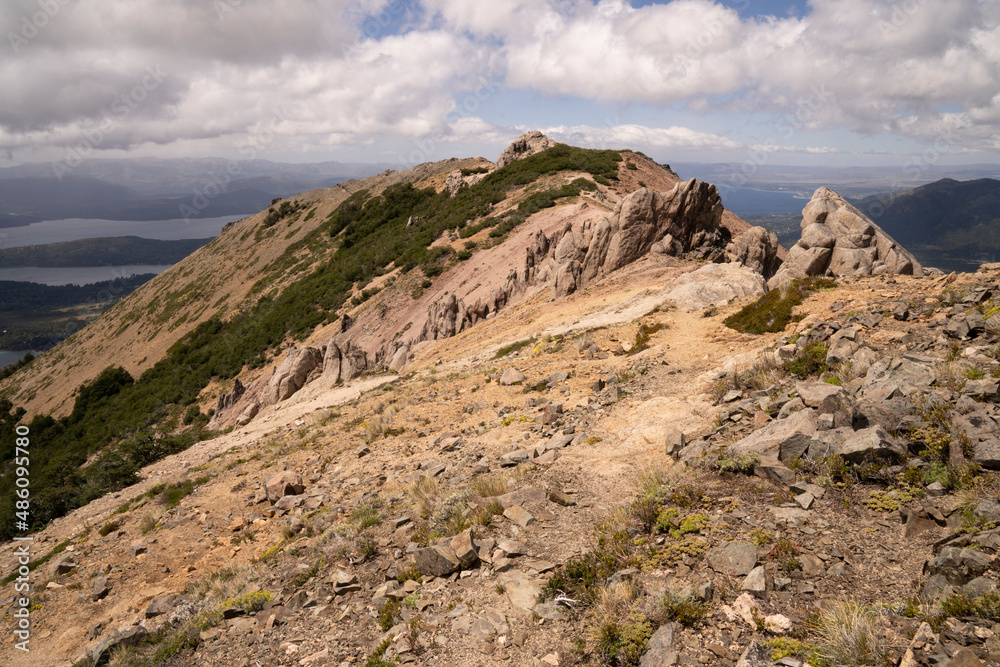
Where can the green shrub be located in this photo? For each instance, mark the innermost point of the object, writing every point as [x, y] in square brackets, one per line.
[684, 610]
[514, 347]
[772, 312]
[810, 361]
[622, 645]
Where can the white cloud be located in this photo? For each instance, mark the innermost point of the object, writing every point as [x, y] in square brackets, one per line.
[349, 72]
[639, 137]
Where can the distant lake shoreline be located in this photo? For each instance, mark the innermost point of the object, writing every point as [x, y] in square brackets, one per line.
[7, 357]
[74, 229]
[77, 275]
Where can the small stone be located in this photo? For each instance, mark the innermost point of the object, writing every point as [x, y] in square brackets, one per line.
[101, 589]
[519, 515]
[560, 498]
[756, 581]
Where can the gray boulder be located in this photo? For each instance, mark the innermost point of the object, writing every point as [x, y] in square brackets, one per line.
[784, 440]
[736, 559]
[871, 442]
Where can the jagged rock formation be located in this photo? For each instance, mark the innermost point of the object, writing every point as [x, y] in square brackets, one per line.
[231, 397]
[685, 221]
[342, 362]
[456, 181]
[527, 144]
[291, 375]
[839, 240]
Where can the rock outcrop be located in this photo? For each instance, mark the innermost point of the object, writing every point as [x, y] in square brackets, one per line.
[456, 181]
[291, 375]
[839, 240]
[757, 249]
[527, 144]
[685, 221]
[342, 362]
[231, 397]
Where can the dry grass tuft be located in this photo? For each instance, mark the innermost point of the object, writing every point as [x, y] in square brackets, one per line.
[488, 486]
[655, 475]
[851, 633]
[615, 601]
[425, 493]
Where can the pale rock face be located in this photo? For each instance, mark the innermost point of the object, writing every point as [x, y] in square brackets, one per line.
[714, 284]
[756, 249]
[527, 144]
[839, 240]
[291, 375]
[343, 362]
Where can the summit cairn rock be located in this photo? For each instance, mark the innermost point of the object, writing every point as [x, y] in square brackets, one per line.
[839, 240]
[525, 145]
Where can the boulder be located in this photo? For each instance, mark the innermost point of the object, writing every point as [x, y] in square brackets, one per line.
[436, 561]
[283, 484]
[871, 442]
[784, 440]
[839, 240]
[660, 650]
[342, 362]
[756, 249]
[132, 636]
[511, 376]
[958, 566]
[464, 547]
[713, 285]
[735, 559]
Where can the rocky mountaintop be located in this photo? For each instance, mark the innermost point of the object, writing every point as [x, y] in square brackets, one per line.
[596, 438]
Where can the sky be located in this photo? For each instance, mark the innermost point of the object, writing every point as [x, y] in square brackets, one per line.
[748, 82]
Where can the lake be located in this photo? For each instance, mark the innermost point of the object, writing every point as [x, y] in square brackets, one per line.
[77, 275]
[748, 201]
[74, 229]
[8, 358]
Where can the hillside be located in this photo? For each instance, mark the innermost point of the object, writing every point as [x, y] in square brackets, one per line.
[559, 409]
[949, 222]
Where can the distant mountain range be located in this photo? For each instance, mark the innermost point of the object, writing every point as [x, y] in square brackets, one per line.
[158, 189]
[951, 224]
